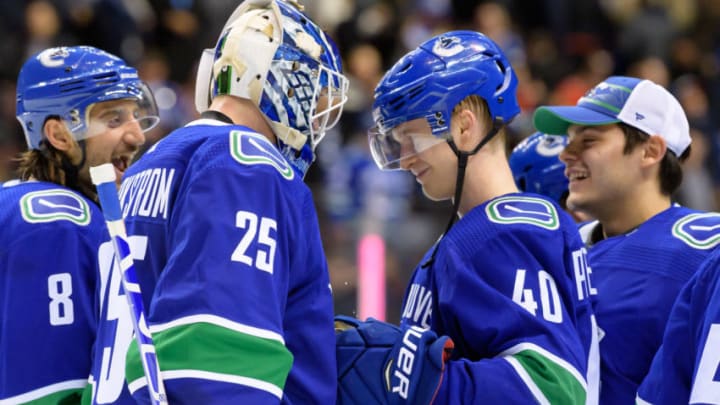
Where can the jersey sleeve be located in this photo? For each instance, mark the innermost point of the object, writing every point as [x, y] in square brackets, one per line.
[48, 319]
[308, 320]
[514, 321]
[219, 307]
[686, 365]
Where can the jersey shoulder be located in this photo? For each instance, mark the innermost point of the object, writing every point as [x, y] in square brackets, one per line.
[527, 219]
[36, 202]
[523, 210]
[209, 146]
[696, 229]
[673, 244]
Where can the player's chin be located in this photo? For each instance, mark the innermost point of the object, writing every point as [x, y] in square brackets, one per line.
[575, 201]
[435, 195]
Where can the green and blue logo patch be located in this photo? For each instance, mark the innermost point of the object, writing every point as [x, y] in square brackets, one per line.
[250, 148]
[700, 230]
[523, 210]
[54, 205]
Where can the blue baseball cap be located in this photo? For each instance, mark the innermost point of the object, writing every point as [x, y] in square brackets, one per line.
[639, 103]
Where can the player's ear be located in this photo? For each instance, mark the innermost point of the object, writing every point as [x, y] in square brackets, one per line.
[654, 150]
[58, 135]
[465, 134]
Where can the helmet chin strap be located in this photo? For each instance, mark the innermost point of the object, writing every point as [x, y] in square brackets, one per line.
[459, 181]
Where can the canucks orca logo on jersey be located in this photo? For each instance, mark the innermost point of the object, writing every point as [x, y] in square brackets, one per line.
[700, 231]
[250, 148]
[523, 210]
[54, 205]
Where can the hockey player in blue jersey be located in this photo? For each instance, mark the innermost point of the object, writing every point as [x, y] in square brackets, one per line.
[537, 168]
[685, 368]
[79, 107]
[507, 283]
[224, 230]
[627, 138]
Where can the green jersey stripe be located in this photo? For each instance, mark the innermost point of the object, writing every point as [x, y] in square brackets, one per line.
[219, 321]
[51, 394]
[549, 377]
[222, 354]
[537, 393]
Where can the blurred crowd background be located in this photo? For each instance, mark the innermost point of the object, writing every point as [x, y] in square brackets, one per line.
[559, 49]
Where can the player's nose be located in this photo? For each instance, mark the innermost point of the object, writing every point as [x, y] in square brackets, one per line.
[568, 154]
[407, 162]
[134, 134]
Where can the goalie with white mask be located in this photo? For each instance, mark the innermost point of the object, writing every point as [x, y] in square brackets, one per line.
[224, 230]
[293, 74]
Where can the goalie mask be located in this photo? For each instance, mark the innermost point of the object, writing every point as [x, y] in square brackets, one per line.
[66, 82]
[272, 54]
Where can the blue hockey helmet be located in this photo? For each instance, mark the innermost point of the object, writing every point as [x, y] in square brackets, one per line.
[272, 54]
[431, 80]
[536, 165]
[66, 82]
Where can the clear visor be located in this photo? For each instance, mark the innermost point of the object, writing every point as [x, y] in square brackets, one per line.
[138, 108]
[390, 147]
[330, 96]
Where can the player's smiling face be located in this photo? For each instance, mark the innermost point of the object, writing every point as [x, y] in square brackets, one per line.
[432, 162]
[115, 135]
[601, 176]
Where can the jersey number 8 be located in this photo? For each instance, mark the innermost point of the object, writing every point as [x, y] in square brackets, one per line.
[61, 306]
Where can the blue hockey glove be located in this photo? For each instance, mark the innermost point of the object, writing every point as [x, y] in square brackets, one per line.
[378, 363]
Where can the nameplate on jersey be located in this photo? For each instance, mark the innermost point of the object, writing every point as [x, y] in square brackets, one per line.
[523, 210]
[54, 205]
[700, 230]
[250, 148]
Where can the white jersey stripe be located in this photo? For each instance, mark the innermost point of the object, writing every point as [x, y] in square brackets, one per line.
[44, 391]
[206, 375]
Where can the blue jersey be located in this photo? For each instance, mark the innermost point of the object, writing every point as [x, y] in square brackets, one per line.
[509, 285]
[685, 369]
[48, 264]
[227, 249]
[638, 275]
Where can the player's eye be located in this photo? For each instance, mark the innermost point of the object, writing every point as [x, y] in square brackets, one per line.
[117, 118]
[114, 120]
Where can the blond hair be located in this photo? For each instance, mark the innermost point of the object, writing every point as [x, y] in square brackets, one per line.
[479, 107]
